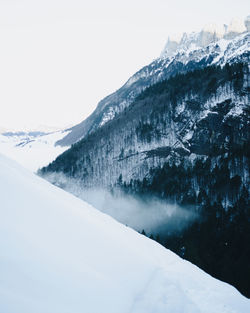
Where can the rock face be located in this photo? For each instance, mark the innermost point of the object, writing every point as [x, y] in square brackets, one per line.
[196, 50]
[247, 23]
[235, 28]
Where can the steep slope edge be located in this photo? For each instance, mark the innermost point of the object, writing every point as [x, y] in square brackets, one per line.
[58, 254]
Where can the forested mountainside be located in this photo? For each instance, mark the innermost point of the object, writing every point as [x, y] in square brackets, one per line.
[185, 140]
[197, 115]
[196, 50]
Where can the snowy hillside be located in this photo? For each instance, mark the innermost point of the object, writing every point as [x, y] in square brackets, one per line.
[32, 149]
[58, 254]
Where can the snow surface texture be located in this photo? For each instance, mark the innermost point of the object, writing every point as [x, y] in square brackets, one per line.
[32, 151]
[60, 255]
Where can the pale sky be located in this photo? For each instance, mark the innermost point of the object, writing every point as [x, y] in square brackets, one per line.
[59, 58]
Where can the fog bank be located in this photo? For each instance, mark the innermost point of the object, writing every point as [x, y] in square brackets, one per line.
[153, 215]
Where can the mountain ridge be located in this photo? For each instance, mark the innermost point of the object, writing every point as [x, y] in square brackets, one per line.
[218, 53]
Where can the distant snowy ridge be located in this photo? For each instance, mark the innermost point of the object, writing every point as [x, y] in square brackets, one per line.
[31, 127]
[59, 255]
[32, 149]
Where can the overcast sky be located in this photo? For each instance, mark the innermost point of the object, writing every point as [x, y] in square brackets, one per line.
[58, 58]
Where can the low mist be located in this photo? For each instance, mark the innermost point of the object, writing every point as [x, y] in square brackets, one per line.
[151, 214]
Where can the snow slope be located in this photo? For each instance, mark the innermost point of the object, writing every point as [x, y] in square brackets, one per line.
[60, 255]
[32, 151]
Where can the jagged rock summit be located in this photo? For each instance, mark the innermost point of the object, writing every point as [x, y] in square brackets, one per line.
[211, 33]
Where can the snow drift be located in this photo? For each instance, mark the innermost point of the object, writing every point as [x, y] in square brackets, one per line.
[59, 254]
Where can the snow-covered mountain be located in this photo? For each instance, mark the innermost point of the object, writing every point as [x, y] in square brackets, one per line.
[212, 46]
[58, 254]
[33, 149]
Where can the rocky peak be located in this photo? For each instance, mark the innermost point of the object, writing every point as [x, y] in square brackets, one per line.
[211, 33]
